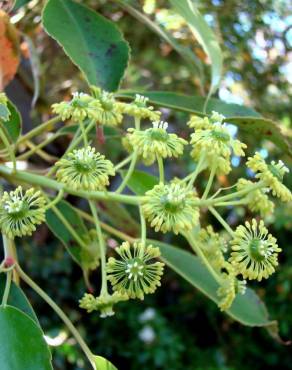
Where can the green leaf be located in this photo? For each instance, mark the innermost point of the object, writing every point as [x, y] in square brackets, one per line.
[246, 119]
[247, 309]
[4, 112]
[13, 124]
[204, 36]
[84, 257]
[92, 42]
[19, 3]
[22, 344]
[18, 299]
[140, 181]
[102, 364]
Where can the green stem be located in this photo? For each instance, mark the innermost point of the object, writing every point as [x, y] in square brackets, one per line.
[7, 288]
[194, 175]
[193, 243]
[60, 313]
[36, 148]
[34, 179]
[69, 227]
[143, 227]
[123, 162]
[137, 123]
[129, 174]
[210, 181]
[84, 135]
[221, 220]
[38, 130]
[160, 169]
[78, 138]
[56, 200]
[102, 248]
[232, 203]
[8, 147]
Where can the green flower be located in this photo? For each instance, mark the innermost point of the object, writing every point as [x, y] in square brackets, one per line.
[212, 138]
[20, 212]
[80, 107]
[138, 108]
[255, 252]
[104, 303]
[135, 273]
[107, 113]
[156, 142]
[84, 169]
[171, 207]
[272, 175]
[258, 201]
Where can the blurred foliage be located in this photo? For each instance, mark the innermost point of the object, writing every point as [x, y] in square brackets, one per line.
[177, 328]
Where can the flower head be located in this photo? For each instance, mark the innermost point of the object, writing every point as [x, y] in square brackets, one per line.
[104, 303]
[138, 108]
[107, 113]
[156, 141]
[214, 140]
[272, 175]
[85, 169]
[135, 273]
[20, 212]
[258, 200]
[171, 207]
[254, 251]
[81, 106]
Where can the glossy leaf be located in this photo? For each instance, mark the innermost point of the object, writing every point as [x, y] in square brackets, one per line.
[22, 344]
[247, 309]
[9, 46]
[102, 364]
[84, 257]
[18, 299]
[92, 42]
[140, 181]
[246, 119]
[204, 36]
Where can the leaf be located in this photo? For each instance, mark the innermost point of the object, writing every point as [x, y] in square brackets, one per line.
[19, 3]
[13, 124]
[9, 46]
[246, 119]
[4, 112]
[18, 299]
[22, 344]
[102, 364]
[140, 181]
[84, 257]
[92, 42]
[204, 36]
[247, 309]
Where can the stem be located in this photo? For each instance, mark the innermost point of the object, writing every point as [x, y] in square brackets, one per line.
[34, 179]
[7, 288]
[210, 181]
[10, 252]
[8, 147]
[102, 248]
[38, 130]
[78, 138]
[143, 227]
[84, 135]
[56, 200]
[36, 148]
[221, 220]
[129, 173]
[123, 162]
[60, 313]
[106, 227]
[69, 227]
[160, 168]
[232, 203]
[137, 123]
[44, 155]
[201, 255]
[196, 172]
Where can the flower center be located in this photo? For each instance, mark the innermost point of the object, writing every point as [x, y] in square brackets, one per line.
[220, 135]
[77, 103]
[173, 203]
[259, 250]
[135, 269]
[16, 207]
[276, 172]
[158, 134]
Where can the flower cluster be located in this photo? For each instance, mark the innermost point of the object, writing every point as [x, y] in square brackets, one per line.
[254, 251]
[139, 109]
[155, 142]
[21, 211]
[171, 207]
[213, 140]
[85, 169]
[271, 175]
[135, 273]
